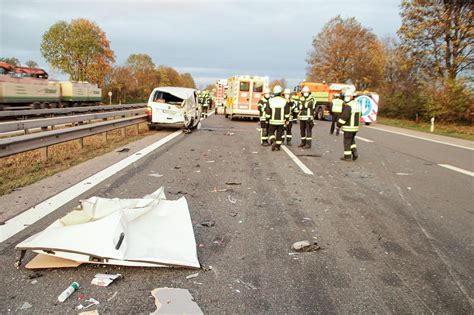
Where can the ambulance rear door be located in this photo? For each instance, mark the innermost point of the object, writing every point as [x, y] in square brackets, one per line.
[244, 98]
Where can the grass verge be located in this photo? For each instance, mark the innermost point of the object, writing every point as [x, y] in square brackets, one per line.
[450, 130]
[26, 168]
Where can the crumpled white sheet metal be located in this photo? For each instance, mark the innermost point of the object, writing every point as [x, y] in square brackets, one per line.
[156, 232]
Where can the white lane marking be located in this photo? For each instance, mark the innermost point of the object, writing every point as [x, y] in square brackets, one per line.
[298, 162]
[422, 138]
[457, 169]
[364, 139]
[32, 215]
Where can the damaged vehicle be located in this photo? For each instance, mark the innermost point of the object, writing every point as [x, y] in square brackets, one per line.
[173, 107]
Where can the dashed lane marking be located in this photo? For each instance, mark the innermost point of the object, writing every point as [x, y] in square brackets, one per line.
[423, 138]
[32, 215]
[298, 162]
[457, 169]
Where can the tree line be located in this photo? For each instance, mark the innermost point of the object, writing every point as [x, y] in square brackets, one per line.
[425, 71]
[81, 50]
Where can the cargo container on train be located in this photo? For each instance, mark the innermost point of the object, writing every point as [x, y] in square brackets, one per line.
[243, 94]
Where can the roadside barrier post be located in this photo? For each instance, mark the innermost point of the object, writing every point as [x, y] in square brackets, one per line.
[432, 124]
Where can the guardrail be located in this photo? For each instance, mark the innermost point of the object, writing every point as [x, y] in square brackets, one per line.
[66, 110]
[23, 143]
[25, 125]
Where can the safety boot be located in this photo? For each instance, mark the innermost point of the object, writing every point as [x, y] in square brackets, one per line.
[355, 155]
[288, 142]
[303, 143]
[273, 147]
[308, 145]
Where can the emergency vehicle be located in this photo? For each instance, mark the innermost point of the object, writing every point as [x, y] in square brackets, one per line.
[219, 97]
[323, 95]
[243, 94]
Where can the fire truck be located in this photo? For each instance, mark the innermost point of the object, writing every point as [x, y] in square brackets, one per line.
[243, 94]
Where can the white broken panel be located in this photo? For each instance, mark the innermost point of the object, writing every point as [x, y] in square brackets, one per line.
[150, 232]
[174, 301]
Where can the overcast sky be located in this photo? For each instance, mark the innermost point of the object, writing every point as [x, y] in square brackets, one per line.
[211, 39]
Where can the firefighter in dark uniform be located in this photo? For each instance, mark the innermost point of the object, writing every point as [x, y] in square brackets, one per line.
[263, 103]
[306, 117]
[205, 102]
[336, 109]
[278, 115]
[288, 135]
[349, 121]
[295, 100]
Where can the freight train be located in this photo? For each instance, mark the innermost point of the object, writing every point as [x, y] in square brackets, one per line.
[29, 88]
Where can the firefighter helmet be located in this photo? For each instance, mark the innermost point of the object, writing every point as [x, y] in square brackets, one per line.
[277, 90]
[305, 91]
[267, 92]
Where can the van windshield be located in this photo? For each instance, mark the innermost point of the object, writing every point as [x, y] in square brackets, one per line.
[244, 86]
[164, 97]
[258, 87]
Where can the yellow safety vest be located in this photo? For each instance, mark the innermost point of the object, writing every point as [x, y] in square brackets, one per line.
[337, 105]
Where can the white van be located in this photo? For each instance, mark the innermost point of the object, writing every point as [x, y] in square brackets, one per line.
[173, 107]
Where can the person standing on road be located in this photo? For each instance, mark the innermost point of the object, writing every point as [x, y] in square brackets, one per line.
[336, 109]
[205, 102]
[263, 103]
[288, 135]
[278, 115]
[294, 113]
[349, 121]
[306, 116]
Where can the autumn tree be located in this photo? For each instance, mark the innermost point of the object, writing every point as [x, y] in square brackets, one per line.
[439, 35]
[187, 80]
[31, 64]
[163, 76]
[119, 82]
[11, 60]
[346, 51]
[80, 49]
[281, 82]
[143, 73]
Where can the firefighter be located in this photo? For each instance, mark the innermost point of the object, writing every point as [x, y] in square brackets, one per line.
[336, 109]
[278, 115]
[306, 116]
[292, 105]
[263, 103]
[349, 121]
[295, 99]
[205, 102]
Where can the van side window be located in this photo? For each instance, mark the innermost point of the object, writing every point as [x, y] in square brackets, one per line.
[244, 86]
[258, 87]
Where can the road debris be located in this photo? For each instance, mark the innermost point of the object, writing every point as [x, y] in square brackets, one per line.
[177, 167]
[155, 175]
[248, 284]
[233, 214]
[194, 275]
[219, 190]
[229, 133]
[93, 312]
[174, 301]
[90, 302]
[210, 161]
[209, 223]
[34, 281]
[305, 246]
[155, 231]
[231, 199]
[404, 174]
[112, 297]
[123, 150]
[35, 275]
[67, 293]
[104, 279]
[26, 306]
[254, 152]
[233, 183]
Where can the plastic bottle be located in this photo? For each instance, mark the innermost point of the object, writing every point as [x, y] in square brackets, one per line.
[67, 293]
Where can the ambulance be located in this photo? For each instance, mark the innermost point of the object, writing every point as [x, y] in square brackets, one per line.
[220, 96]
[243, 94]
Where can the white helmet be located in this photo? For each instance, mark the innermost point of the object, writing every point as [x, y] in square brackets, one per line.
[287, 91]
[305, 90]
[348, 95]
[267, 92]
[277, 90]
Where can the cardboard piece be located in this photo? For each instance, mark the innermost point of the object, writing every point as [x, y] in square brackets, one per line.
[41, 261]
[147, 232]
[174, 301]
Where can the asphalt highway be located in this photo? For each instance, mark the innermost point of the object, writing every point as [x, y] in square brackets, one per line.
[396, 228]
